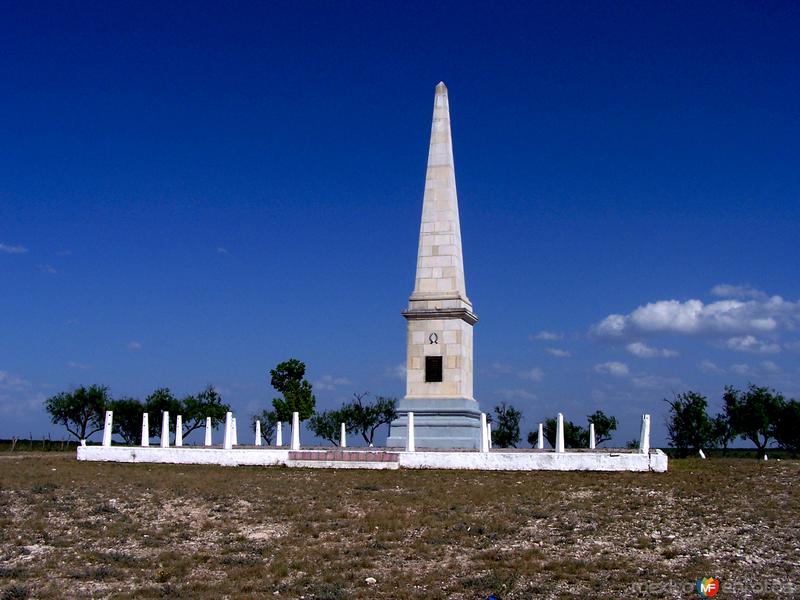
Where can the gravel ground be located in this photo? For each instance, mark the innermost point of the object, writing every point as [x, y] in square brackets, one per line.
[95, 530]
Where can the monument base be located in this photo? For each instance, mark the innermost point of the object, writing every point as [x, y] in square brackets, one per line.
[438, 423]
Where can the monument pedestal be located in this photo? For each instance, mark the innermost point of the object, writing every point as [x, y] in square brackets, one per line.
[438, 423]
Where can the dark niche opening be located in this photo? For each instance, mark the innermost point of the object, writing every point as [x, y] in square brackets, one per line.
[433, 369]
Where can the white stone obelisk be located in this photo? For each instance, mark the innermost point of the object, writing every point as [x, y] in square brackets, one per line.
[644, 438]
[208, 431]
[258, 432]
[540, 439]
[179, 431]
[165, 429]
[234, 432]
[560, 433]
[145, 430]
[410, 441]
[295, 431]
[227, 442]
[439, 316]
[592, 443]
[279, 435]
[343, 436]
[107, 427]
[484, 432]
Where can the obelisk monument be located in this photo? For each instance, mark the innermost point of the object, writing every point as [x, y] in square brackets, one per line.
[439, 314]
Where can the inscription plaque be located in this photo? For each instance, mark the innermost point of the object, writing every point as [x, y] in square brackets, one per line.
[433, 369]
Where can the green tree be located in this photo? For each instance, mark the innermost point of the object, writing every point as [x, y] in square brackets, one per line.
[603, 426]
[127, 419]
[575, 436]
[327, 425]
[787, 429]
[506, 432]
[288, 379]
[688, 423]
[269, 423]
[722, 434]
[156, 403]
[81, 411]
[367, 417]
[194, 410]
[754, 414]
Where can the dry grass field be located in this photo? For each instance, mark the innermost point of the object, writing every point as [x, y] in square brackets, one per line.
[95, 530]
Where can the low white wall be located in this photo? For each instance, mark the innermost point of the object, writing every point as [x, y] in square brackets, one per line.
[656, 460]
[186, 455]
[536, 461]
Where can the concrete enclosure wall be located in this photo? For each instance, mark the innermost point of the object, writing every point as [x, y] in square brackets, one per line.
[655, 460]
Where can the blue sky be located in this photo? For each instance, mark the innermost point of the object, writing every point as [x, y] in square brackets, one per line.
[190, 194]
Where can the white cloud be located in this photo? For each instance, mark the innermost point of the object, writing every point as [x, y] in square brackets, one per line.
[558, 352]
[638, 380]
[535, 374]
[792, 345]
[329, 382]
[706, 366]
[726, 290]
[501, 367]
[17, 395]
[516, 394]
[749, 343]
[617, 369]
[765, 367]
[10, 249]
[76, 365]
[50, 269]
[397, 371]
[770, 366]
[693, 317]
[221, 250]
[12, 382]
[547, 335]
[642, 350]
[654, 382]
[134, 345]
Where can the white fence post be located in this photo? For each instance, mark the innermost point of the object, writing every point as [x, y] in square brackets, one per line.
[208, 431]
[410, 442]
[489, 434]
[227, 440]
[560, 433]
[145, 430]
[343, 436]
[234, 432]
[540, 441]
[279, 435]
[592, 443]
[644, 438]
[107, 429]
[484, 440]
[295, 431]
[258, 432]
[179, 431]
[165, 429]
